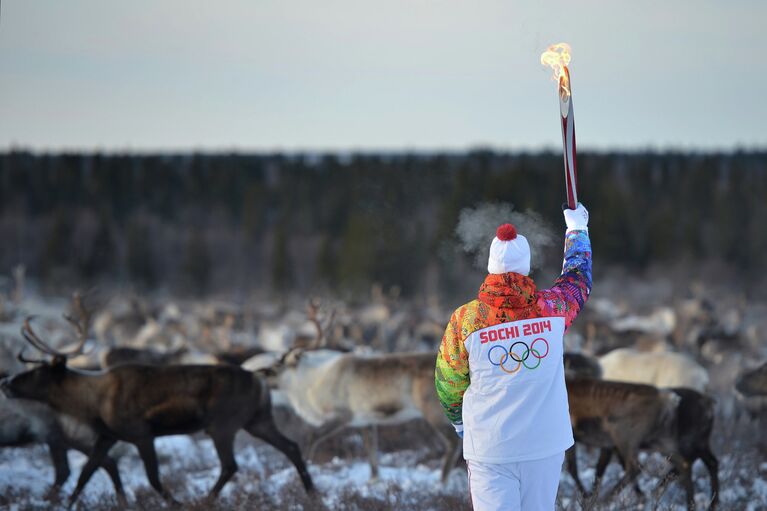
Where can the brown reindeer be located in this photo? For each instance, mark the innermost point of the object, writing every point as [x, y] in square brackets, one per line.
[625, 417]
[136, 404]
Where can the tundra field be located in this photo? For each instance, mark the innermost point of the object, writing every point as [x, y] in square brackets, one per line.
[409, 478]
[683, 339]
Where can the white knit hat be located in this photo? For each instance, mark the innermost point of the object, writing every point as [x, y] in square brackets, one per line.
[509, 252]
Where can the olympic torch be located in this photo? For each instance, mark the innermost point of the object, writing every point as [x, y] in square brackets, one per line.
[557, 56]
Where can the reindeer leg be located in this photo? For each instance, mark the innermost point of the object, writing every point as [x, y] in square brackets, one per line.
[224, 443]
[326, 431]
[683, 469]
[572, 467]
[264, 428]
[453, 449]
[149, 457]
[451, 442]
[605, 454]
[108, 464]
[637, 489]
[713, 470]
[628, 453]
[103, 444]
[60, 463]
[371, 443]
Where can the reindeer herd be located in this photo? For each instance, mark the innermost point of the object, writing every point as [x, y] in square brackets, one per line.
[133, 374]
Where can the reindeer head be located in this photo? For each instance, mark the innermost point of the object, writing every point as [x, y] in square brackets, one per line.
[270, 368]
[36, 383]
[298, 360]
[753, 383]
[291, 358]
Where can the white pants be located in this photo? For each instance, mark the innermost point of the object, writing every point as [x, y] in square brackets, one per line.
[523, 486]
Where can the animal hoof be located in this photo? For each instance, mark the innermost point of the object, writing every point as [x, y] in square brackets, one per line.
[309, 486]
[53, 493]
[210, 498]
[172, 503]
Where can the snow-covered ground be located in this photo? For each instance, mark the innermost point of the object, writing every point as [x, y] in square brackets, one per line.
[189, 467]
[409, 479]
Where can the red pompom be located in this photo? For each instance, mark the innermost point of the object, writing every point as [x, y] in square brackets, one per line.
[506, 232]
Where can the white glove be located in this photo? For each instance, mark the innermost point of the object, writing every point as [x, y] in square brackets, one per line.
[577, 219]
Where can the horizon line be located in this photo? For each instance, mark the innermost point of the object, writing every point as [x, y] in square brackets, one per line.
[371, 150]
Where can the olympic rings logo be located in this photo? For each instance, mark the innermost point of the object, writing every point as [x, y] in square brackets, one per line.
[520, 359]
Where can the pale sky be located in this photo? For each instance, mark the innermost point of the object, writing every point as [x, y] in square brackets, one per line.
[385, 75]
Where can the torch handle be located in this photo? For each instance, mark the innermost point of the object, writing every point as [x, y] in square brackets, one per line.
[568, 145]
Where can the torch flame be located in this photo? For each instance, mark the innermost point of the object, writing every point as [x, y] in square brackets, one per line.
[557, 56]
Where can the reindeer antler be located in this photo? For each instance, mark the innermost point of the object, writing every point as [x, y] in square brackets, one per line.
[81, 326]
[311, 312]
[24, 360]
[329, 326]
[32, 338]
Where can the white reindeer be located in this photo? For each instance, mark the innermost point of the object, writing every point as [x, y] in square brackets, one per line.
[661, 369]
[332, 390]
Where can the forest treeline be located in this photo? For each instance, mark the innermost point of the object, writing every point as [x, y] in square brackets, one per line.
[301, 222]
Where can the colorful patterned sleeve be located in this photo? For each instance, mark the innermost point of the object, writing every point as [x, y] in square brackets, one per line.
[451, 377]
[572, 288]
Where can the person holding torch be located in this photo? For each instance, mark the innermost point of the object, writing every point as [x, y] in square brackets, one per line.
[500, 370]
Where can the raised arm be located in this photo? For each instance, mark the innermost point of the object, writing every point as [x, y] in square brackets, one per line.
[451, 376]
[571, 290]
